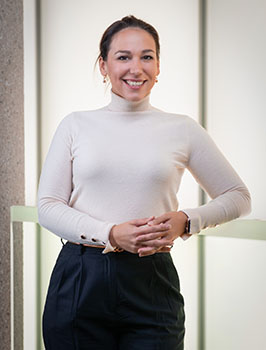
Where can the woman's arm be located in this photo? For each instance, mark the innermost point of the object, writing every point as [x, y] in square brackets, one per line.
[230, 197]
[54, 192]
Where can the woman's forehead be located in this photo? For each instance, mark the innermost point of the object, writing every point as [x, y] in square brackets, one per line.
[130, 38]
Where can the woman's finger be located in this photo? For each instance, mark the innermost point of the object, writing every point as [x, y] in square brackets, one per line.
[164, 250]
[157, 243]
[140, 222]
[151, 236]
[149, 250]
[145, 230]
[146, 251]
[159, 219]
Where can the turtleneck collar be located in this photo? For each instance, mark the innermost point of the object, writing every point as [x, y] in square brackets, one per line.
[119, 104]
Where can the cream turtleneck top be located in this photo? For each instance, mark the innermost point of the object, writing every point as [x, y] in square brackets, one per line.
[125, 161]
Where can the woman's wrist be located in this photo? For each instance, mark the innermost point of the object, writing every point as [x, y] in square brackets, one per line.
[112, 238]
[186, 222]
[186, 230]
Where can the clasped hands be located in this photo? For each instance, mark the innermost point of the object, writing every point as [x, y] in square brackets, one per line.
[149, 235]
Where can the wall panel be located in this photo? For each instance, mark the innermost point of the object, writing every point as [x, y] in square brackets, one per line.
[236, 85]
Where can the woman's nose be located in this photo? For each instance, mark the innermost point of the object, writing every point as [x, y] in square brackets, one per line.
[136, 67]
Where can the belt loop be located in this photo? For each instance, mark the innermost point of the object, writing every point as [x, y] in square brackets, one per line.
[62, 242]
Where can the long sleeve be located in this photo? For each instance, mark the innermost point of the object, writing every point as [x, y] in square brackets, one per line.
[230, 197]
[55, 190]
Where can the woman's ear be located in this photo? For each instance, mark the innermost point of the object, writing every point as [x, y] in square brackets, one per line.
[158, 67]
[102, 66]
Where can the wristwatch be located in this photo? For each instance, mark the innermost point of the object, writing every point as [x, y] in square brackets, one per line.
[187, 228]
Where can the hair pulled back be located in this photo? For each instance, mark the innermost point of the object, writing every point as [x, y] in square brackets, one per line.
[126, 22]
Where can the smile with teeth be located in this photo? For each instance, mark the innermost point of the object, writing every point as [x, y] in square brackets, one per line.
[134, 83]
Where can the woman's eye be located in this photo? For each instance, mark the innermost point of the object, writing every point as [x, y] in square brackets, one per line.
[148, 57]
[123, 58]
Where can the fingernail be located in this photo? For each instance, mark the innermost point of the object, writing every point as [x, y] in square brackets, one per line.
[169, 226]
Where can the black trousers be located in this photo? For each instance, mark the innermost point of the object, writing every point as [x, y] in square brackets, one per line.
[115, 301]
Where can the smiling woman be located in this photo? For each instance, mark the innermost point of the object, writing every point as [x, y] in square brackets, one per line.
[131, 64]
[108, 186]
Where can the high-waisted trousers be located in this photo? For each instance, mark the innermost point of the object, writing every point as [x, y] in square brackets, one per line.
[116, 301]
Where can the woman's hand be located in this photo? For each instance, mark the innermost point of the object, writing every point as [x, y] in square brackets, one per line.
[157, 240]
[126, 235]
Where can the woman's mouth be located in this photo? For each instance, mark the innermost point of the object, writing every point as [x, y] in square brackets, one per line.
[135, 84]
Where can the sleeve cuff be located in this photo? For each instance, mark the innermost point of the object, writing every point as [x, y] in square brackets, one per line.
[101, 236]
[108, 248]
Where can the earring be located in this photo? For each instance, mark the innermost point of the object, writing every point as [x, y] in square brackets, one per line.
[156, 80]
[104, 79]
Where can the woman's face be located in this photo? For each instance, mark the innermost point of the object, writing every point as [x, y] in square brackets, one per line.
[132, 64]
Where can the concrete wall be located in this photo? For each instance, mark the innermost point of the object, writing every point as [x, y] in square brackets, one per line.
[11, 156]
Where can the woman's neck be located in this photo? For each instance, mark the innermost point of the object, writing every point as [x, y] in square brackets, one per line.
[120, 104]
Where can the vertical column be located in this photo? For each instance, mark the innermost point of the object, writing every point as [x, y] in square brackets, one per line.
[202, 194]
[11, 158]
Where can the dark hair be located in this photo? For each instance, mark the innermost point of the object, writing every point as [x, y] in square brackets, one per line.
[126, 22]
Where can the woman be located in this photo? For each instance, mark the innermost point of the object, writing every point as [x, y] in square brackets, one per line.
[108, 186]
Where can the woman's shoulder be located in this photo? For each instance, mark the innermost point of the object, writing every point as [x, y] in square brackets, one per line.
[80, 114]
[175, 117]
[77, 117]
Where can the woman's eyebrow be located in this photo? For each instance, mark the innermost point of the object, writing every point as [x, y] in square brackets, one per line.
[148, 50]
[129, 52]
[123, 51]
